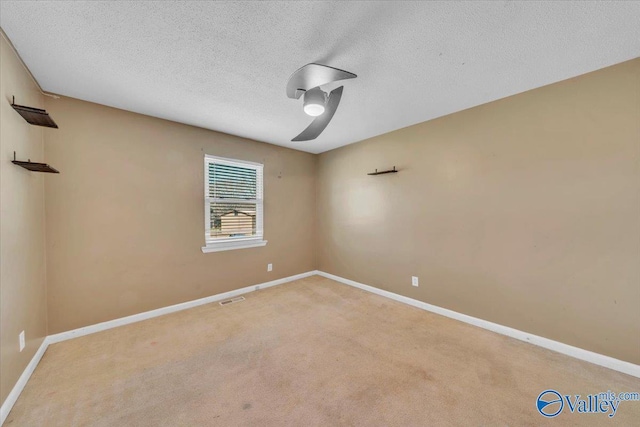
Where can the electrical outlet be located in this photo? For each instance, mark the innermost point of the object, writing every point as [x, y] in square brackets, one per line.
[269, 267]
[21, 338]
[414, 281]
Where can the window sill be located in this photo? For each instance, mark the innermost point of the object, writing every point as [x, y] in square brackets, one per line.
[229, 246]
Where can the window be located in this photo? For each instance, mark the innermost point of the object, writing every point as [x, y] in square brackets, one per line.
[233, 209]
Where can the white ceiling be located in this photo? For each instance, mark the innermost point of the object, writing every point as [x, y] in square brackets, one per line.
[224, 66]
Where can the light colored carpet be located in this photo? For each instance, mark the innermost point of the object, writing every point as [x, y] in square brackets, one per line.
[312, 352]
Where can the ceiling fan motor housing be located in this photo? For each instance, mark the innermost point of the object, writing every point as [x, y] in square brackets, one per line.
[314, 101]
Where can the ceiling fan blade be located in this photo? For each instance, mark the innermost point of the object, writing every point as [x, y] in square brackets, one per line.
[317, 126]
[314, 75]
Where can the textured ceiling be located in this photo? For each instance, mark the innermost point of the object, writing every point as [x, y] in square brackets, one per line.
[224, 66]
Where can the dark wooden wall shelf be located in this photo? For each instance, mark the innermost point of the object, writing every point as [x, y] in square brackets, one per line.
[34, 116]
[34, 167]
[383, 172]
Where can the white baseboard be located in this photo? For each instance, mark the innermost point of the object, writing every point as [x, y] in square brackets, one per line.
[22, 381]
[579, 353]
[75, 333]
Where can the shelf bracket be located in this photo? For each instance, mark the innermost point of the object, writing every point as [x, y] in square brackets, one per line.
[34, 116]
[32, 166]
[383, 172]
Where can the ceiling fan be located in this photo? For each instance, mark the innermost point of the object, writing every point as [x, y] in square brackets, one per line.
[306, 82]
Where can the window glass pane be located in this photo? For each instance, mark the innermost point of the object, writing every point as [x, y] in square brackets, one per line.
[232, 182]
[232, 219]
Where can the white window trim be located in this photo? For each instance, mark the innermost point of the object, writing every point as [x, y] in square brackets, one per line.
[218, 245]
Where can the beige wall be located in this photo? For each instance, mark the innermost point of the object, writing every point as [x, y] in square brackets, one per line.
[125, 217]
[524, 211]
[22, 245]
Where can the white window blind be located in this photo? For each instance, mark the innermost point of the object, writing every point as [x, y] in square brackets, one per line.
[233, 204]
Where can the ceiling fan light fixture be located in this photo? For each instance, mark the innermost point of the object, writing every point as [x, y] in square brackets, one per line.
[314, 110]
[306, 83]
[314, 101]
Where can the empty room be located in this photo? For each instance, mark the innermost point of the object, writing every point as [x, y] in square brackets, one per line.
[367, 213]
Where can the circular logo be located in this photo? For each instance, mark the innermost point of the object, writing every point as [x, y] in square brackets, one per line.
[549, 403]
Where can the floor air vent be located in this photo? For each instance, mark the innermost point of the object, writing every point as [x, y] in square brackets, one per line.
[231, 301]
